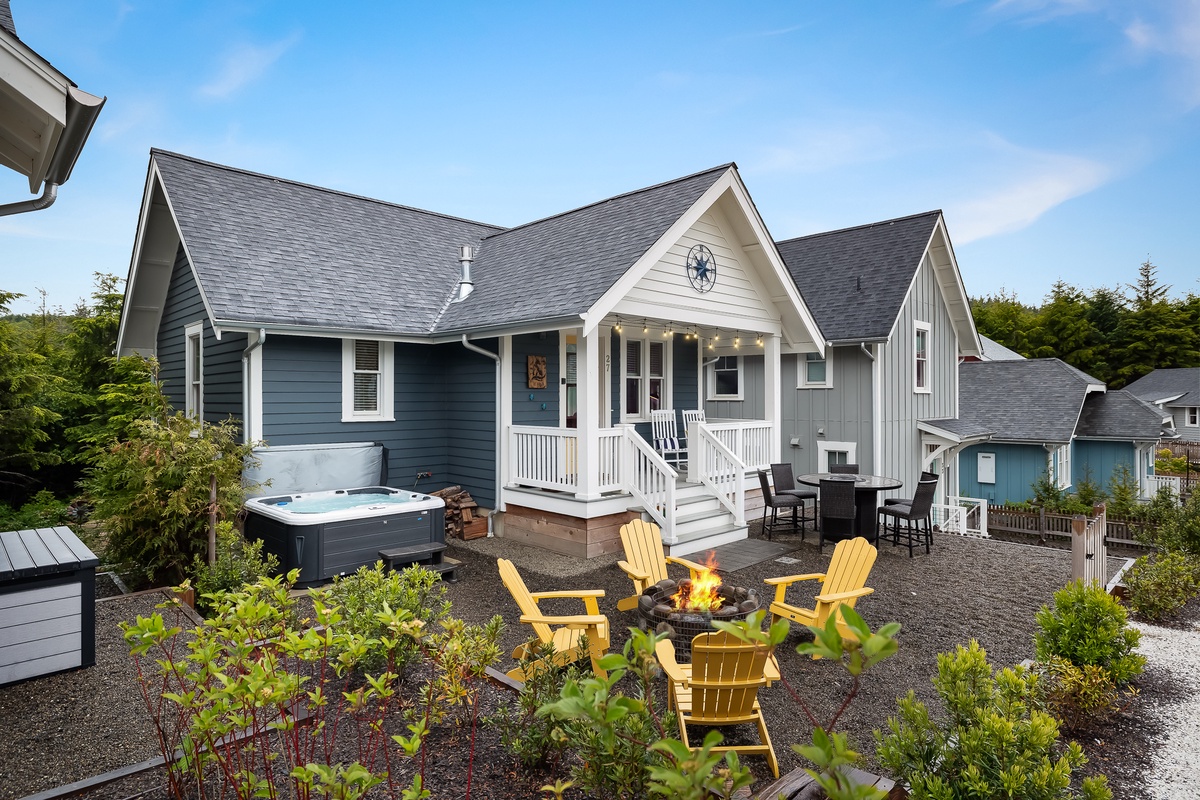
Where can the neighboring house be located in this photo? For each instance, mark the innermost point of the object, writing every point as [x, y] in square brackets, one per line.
[890, 302]
[1049, 418]
[994, 351]
[44, 118]
[1176, 391]
[521, 364]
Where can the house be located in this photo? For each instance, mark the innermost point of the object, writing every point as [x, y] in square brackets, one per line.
[890, 302]
[1176, 391]
[994, 351]
[1049, 418]
[45, 118]
[519, 363]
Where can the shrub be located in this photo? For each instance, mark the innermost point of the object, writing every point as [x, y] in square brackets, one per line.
[43, 510]
[1124, 492]
[1080, 696]
[1087, 491]
[1161, 584]
[537, 741]
[1166, 463]
[996, 742]
[239, 562]
[151, 492]
[362, 595]
[1180, 527]
[1088, 627]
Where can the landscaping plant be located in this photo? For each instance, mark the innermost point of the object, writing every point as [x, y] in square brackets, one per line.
[994, 743]
[1080, 696]
[537, 740]
[1087, 626]
[1161, 584]
[239, 561]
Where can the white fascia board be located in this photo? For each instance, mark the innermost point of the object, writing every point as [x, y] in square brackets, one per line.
[318, 332]
[42, 90]
[191, 263]
[971, 336]
[139, 240]
[1098, 388]
[690, 316]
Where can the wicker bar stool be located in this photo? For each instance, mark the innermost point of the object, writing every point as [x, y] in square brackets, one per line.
[775, 502]
[837, 508]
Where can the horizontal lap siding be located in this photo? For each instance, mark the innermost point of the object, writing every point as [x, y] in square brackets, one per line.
[1100, 459]
[1017, 467]
[901, 406]
[470, 405]
[843, 411]
[41, 631]
[527, 403]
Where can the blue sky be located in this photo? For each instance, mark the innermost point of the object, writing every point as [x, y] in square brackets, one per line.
[1060, 137]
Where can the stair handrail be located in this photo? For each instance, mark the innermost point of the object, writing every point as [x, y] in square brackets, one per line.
[651, 480]
[721, 471]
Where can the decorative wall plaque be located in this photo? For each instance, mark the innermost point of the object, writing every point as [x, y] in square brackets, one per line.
[536, 368]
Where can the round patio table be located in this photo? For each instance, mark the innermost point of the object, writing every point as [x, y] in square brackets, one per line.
[866, 495]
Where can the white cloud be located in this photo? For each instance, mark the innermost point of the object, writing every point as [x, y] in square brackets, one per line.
[1037, 182]
[824, 148]
[1176, 35]
[243, 64]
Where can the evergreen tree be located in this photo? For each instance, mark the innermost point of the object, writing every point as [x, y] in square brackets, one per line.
[1065, 330]
[23, 420]
[1156, 333]
[1105, 310]
[1005, 320]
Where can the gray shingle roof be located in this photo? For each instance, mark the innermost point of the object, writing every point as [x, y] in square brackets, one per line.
[6, 20]
[1164, 383]
[1119, 415]
[962, 428]
[273, 251]
[854, 280]
[1033, 400]
[994, 351]
[560, 266]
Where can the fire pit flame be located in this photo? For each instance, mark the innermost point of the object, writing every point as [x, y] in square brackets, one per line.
[701, 593]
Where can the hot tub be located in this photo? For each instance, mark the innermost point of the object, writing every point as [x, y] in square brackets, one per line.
[335, 532]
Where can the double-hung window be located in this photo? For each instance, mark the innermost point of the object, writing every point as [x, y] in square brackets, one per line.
[194, 371]
[1060, 466]
[1191, 417]
[725, 378]
[367, 380]
[816, 370]
[646, 371]
[921, 356]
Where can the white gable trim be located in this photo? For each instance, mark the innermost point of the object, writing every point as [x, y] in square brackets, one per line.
[728, 182]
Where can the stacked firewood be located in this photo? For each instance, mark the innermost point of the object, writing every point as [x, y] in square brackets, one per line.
[462, 519]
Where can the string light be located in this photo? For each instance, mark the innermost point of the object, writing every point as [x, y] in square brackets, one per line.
[618, 326]
[645, 327]
[737, 340]
[760, 340]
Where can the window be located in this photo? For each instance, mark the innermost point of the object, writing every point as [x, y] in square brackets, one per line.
[1059, 466]
[367, 380]
[815, 370]
[725, 378]
[647, 371]
[1191, 417]
[921, 357]
[194, 370]
[835, 453]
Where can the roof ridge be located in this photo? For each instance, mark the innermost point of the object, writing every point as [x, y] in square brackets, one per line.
[154, 151]
[860, 227]
[602, 201]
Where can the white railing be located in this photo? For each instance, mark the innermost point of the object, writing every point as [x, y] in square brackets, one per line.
[965, 516]
[720, 470]
[1156, 482]
[612, 443]
[1089, 554]
[651, 480]
[749, 440]
[544, 458]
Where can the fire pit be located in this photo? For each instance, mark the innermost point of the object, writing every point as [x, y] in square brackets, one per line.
[684, 609]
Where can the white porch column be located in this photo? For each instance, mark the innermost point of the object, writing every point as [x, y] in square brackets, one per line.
[504, 418]
[588, 416]
[772, 391]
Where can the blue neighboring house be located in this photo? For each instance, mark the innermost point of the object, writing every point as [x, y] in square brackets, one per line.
[1047, 417]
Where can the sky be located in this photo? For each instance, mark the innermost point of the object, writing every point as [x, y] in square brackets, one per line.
[1060, 137]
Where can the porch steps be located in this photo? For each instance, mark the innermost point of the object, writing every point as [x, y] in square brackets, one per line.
[701, 522]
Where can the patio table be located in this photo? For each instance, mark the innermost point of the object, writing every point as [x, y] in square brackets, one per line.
[866, 495]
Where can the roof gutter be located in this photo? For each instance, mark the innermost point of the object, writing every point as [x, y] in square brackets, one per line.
[467, 343]
[49, 195]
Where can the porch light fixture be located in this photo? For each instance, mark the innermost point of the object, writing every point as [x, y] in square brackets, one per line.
[760, 340]
[645, 327]
[737, 340]
[617, 327]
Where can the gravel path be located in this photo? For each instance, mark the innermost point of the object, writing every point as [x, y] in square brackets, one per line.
[67, 727]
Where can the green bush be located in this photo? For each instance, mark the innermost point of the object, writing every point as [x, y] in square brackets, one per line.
[1087, 491]
[1161, 584]
[1166, 463]
[1180, 527]
[238, 562]
[43, 510]
[361, 596]
[995, 743]
[1123, 491]
[1080, 696]
[1087, 626]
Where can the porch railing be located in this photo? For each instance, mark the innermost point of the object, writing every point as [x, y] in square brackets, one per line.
[545, 458]
[720, 470]
[1156, 482]
[965, 516]
[750, 441]
[651, 480]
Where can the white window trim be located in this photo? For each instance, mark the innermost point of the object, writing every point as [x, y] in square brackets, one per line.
[193, 332]
[668, 376]
[918, 325]
[824, 447]
[1191, 417]
[1058, 462]
[802, 372]
[387, 381]
[712, 381]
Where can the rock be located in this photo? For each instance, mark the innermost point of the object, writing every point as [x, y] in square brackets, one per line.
[665, 627]
[739, 593]
[662, 610]
[725, 611]
[748, 605]
[645, 604]
[666, 585]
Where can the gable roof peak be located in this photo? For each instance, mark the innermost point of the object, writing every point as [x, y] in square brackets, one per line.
[157, 152]
[937, 212]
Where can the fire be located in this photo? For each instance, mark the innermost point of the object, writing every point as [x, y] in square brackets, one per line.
[700, 594]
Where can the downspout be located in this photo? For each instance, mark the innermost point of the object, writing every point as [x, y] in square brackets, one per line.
[246, 373]
[495, 357]
[49, 195]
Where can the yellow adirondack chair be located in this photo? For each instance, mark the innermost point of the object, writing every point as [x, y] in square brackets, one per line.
[719, 687]
[645, 563]
[842, 585]
[563, 632]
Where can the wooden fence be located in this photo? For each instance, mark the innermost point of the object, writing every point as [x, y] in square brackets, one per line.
[1046, 526]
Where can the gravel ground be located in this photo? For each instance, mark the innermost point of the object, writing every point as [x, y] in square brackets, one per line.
[63, 728]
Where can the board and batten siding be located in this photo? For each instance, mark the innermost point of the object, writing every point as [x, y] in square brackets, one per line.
[222, 358]
[1095, 461]
[901, 406]
[753, 404]
[736, 295]
[843, 412]
[1017, 467]
[444, 410]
